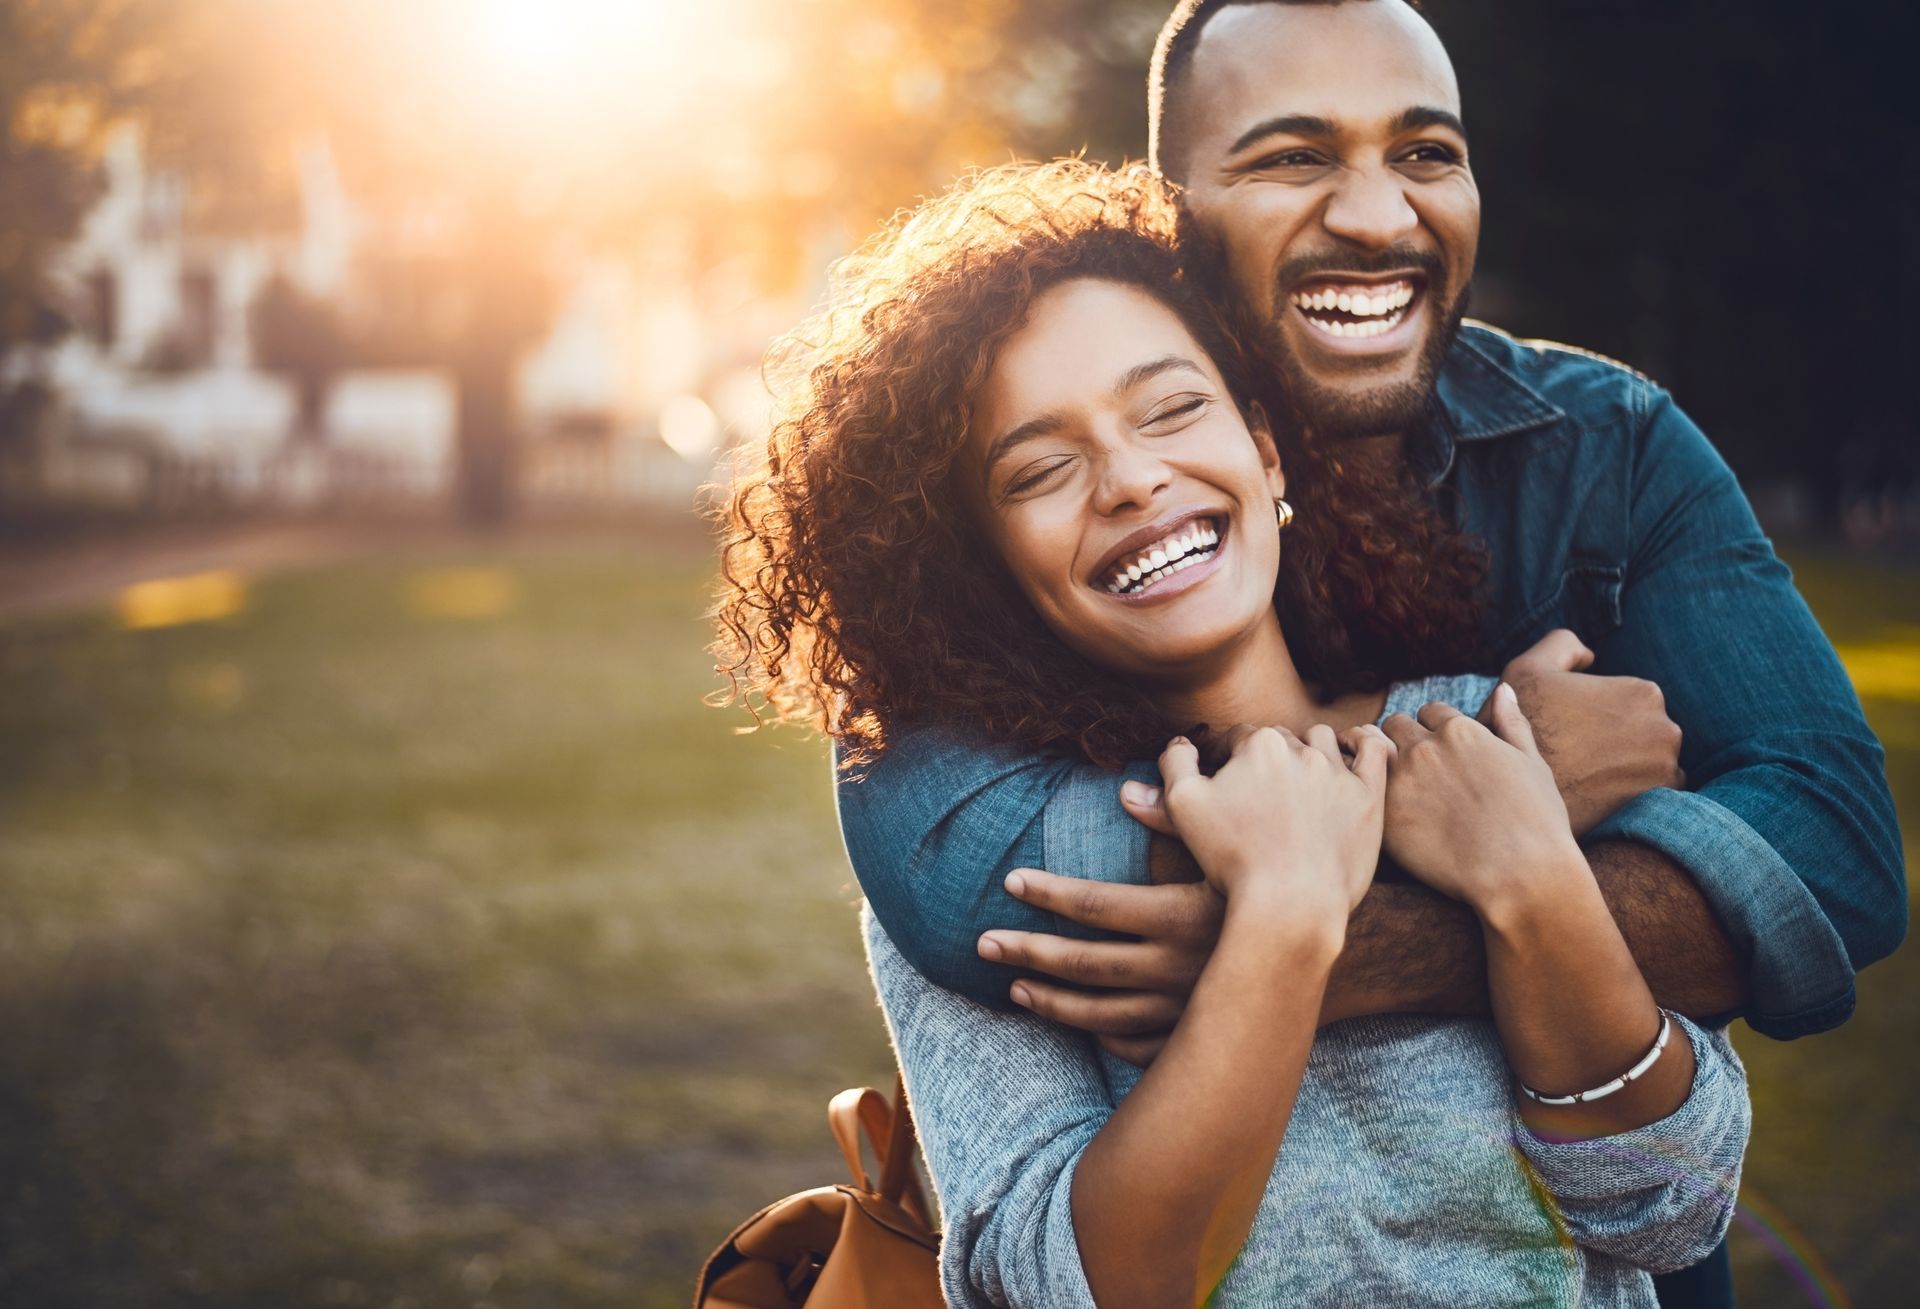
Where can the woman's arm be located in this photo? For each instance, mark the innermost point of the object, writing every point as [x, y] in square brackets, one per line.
[1157, 1196]
[1646, 1172]
[1288, 834]
[1476, 816]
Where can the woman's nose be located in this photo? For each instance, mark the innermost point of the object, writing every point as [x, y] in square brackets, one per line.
[1130, 476]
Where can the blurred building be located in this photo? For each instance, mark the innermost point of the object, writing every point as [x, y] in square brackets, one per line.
[309, 360]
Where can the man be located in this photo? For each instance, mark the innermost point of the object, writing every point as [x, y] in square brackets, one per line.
[1325, 172]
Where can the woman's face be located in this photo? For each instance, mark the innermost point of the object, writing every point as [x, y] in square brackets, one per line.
[1121, 485]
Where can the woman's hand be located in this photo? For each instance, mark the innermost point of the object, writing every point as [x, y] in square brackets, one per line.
[1283, 817]
[1475, 813]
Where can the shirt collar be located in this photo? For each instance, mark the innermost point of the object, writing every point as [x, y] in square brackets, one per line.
[1476, 398]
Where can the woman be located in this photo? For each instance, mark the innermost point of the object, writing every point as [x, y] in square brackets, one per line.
[1023, 486]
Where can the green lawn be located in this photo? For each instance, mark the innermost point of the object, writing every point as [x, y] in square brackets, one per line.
[368, 948]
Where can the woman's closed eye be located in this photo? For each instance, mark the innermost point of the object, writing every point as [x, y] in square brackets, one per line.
[1176, 413]
[1035, 475]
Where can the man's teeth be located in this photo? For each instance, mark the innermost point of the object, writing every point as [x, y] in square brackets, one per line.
[1190, 545]
[1378, 308]
[1360, 301]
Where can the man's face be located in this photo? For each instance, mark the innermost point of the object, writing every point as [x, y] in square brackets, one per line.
[1321, 150]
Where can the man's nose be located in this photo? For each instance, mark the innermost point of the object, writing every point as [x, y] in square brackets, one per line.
[1370, 208]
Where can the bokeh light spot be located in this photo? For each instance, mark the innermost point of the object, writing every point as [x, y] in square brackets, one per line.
[190, 598]
[462, 593]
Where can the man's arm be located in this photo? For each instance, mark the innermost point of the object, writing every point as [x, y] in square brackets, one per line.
[1413, 950]
[934, 827]
[1789, 834]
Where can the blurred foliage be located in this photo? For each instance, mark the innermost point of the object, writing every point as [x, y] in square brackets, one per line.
[1722, 194]
[67, 69]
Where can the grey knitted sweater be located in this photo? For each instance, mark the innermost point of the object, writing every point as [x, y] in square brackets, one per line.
[1406, 1177]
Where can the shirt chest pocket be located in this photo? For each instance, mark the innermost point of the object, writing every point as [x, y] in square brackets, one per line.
[1586, 599]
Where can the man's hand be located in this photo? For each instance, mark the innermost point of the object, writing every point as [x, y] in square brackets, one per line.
[1607, 739]
[1138, 988]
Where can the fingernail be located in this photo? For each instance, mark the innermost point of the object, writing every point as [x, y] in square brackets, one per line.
[1016, 884]
[989, 948]
[1505, 692]
[1179, 740]
[1139, 793]
[1020, 996]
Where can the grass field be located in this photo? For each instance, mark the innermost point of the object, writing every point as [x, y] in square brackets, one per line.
[405, 933]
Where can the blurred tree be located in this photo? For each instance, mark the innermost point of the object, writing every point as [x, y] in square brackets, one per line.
[68, 70]
[303, 337]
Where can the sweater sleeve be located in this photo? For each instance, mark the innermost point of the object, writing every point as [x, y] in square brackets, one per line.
[1005, 1105]
[1661, 1196]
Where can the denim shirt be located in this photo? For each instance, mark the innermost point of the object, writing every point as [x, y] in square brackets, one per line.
[1605, 510]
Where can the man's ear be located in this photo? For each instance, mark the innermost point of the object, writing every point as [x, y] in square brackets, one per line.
[1262, 431]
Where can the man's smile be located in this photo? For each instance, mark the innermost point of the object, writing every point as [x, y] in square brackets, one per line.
[1349, 315]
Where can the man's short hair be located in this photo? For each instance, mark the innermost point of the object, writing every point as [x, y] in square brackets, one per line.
[1172, 53]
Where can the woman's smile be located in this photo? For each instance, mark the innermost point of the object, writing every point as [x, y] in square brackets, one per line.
[1171, 560]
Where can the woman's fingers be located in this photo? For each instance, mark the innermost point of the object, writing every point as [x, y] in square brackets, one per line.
[1510, 724]
[1372, 751]
[1435, 716]
[1322, 738]
[1146, 804]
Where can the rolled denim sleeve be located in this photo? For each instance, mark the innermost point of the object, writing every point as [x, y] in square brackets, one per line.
[1758, 898]
[1661, 1196]
[935, 825]
[1791, 832]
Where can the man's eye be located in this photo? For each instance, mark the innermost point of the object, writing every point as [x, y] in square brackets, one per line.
[1432, 153]
[1290, 159]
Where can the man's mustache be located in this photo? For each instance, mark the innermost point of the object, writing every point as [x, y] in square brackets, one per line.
[1394, 259]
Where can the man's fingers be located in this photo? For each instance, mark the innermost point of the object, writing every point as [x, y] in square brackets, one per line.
[1129, 965]
[1174, 910]
[1372, 752]
[1107, 1013]
[1147, 805]
[1140, 1051]
[1559, 651]
[1510, 724]
[1179, 761]
[1404, 732]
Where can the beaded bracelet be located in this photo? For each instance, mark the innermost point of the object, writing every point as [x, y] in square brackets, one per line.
[1601, 1092]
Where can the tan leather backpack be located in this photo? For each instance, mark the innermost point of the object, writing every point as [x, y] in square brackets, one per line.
[838, 1247]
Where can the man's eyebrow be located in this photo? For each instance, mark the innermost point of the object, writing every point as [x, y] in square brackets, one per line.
[1419, 116]
[1284, 125]
[1407, 120]
[1053, 420]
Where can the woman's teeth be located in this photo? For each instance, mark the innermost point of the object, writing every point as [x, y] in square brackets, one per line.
[1191, 545]
[1355, 311]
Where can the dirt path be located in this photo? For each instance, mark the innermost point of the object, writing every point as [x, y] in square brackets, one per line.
[80, 572]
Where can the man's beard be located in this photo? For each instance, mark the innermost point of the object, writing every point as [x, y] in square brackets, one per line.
[1328, 412]
[1335, 413]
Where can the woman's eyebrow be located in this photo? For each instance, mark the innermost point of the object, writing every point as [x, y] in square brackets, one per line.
[1053, 420]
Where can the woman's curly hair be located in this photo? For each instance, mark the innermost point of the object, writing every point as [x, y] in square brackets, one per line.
[859, 596]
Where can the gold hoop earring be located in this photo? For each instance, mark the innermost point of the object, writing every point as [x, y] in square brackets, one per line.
[1282, 513]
